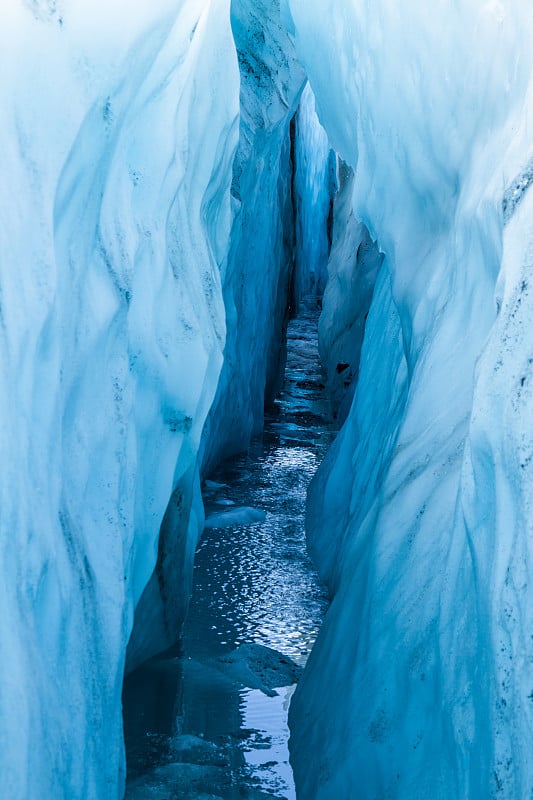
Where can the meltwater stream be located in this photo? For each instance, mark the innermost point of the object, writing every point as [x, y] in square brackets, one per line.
[193, 729]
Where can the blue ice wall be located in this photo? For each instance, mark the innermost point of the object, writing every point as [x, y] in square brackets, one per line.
[421, 519]
[352, 269]
[258, 270]
[255, 272]
[118, 132]
[146, 251]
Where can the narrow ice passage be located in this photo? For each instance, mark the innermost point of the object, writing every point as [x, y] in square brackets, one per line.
[167, 185]
[192, 728]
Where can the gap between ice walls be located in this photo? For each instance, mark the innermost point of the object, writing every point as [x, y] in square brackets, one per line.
[134, 244]
[147, 255]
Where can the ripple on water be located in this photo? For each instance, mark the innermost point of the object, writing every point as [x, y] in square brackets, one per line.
[253, 583]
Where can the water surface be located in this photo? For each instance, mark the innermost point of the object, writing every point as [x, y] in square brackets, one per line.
[190, 732]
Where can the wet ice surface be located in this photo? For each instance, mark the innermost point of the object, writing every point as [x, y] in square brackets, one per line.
[195, 726]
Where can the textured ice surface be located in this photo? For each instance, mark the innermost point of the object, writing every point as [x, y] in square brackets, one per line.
[258, 667]
[125, 257]
[420, 683]
[117, 130]
[255, 270]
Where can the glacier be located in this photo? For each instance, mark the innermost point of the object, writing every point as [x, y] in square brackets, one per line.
[177, 177]
[116, 216]
[420, 682]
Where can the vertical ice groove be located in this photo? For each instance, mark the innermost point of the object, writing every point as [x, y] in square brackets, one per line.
[314, 185]
[420, 518]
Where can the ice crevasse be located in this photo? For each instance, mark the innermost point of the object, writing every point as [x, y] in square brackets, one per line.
[146, 222]
[255, 279]
[145, 259]
[421, 682]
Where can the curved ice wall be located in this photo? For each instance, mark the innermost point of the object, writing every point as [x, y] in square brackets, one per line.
[121, 260]
[421, 681]
[146, 261]
[260, 259]
[118, 129]
[314, 186]
[256, 275]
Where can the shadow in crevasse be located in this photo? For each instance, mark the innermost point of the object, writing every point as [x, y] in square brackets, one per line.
[206, 722]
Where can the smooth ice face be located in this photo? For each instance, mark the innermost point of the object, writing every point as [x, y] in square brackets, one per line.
[420, 517]
[118, 130]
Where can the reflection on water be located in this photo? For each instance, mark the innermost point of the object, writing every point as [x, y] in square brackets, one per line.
[192, 731]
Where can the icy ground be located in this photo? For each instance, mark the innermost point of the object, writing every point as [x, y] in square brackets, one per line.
[195, 725]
